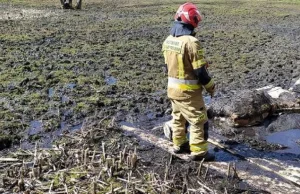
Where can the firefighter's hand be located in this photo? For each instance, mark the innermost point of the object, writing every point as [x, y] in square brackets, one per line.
[208, 63]
[212, 90]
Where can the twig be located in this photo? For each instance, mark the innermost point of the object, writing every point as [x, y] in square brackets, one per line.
[35, 153]
[85, 156]
[205, 187]
[9, 160]
[205, 175]
[94, 187]
[93, 157]
[66, 188]
[103, 151]
[104, 183]
[50, 189]
[228, 169]
[133, 182]
[235, 175]
[166, 172]
[225, 190]
[200, 168]
[134, 159]
[140, 190]
[114, 190]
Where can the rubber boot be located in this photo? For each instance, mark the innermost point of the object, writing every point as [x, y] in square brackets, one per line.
[184, 148]
[207, 157]
[67, 4]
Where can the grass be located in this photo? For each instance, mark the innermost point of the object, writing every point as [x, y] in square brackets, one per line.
[14, 37]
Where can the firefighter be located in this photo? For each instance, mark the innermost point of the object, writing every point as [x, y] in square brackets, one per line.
[67, 4]
[187, 76]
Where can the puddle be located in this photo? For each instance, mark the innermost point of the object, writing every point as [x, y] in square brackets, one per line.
[207, 100]
[35, 127]
[71, 85]
[222, 156]
[110, 80]
[42, 143]
[128, 124]
[50, 92]
[76, 128]
[151, 115]
[63, 126]
[47, 138]
[289, 138]
[64, 99]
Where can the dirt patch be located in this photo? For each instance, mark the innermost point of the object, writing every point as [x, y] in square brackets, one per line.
[24, 14]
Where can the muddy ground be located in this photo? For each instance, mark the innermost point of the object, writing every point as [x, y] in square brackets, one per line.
[65, 70]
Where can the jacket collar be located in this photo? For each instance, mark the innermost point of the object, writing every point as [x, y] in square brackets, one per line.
[181, 29]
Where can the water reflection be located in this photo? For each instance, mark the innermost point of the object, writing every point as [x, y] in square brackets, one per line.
[289, 138]
[71, 85]
[110, 80]
[207, 100]
[50, 92]
[35, 127]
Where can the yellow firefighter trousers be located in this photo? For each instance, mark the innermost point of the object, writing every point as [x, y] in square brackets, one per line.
[192, 111]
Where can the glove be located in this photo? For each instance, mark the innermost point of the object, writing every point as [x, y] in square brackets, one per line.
[211, 90]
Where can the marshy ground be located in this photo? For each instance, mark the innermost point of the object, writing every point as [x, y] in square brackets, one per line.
[71, 71]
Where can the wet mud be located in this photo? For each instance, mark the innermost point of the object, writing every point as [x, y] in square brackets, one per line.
[64, 71]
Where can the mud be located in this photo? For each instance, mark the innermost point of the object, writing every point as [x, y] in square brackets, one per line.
[67, 70]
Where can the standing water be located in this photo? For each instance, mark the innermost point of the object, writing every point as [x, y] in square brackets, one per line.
[36, 127]
[110, 80]
[289, 138]
[207, 100]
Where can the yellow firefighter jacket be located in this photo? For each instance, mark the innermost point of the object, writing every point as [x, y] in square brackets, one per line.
[186, 65]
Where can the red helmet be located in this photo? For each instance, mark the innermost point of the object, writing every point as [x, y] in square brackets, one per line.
[188, 13]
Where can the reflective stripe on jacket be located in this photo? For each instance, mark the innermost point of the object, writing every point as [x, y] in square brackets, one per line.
[183, 84]
[184, 57]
